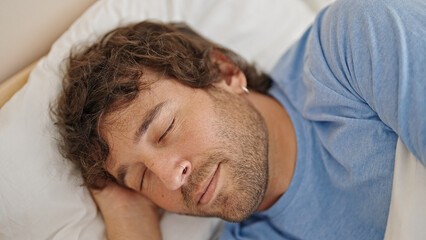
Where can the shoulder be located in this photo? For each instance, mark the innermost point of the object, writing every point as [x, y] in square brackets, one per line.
[360, 8]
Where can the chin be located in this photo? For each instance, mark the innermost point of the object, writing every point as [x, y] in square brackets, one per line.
[238, 210]
[231, 209]
[237, 217]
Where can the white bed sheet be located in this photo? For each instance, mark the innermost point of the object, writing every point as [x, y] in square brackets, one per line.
[407, 214]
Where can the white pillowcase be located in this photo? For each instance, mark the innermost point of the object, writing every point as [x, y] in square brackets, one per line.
[40, 193]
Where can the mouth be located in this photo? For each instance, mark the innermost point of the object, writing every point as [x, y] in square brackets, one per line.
[207, 193]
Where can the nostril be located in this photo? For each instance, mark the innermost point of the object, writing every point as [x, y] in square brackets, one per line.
[184, 169]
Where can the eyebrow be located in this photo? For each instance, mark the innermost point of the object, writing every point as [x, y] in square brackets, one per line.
[121, 175]
[148, 119]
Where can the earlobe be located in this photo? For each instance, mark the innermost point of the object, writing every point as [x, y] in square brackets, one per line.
[232, 78]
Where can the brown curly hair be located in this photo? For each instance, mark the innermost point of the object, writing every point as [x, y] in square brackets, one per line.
[106, 77]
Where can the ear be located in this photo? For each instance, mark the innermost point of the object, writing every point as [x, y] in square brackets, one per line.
[232, 78]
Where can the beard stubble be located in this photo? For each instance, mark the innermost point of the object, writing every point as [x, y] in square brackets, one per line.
[243, 137]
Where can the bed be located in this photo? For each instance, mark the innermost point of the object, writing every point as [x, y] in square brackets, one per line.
[40, 192]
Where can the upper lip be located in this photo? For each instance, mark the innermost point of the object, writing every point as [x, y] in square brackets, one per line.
[205, 185]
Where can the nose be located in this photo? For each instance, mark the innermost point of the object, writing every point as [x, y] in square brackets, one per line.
[173, 174]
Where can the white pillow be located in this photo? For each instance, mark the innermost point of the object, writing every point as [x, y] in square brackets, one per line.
[40, 193]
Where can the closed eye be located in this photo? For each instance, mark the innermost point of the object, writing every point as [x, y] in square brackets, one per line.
[143, 175]
[168, 129]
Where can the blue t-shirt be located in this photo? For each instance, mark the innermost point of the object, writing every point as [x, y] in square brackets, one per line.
[353, 84]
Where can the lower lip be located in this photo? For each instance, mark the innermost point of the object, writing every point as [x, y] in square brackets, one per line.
[209, 193]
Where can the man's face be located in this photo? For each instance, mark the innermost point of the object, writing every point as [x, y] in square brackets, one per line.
[191, 151]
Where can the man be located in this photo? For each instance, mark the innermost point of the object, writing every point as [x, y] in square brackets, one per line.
[155, 115]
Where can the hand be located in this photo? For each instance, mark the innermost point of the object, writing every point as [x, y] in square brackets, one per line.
[127, 214]
[116, 199]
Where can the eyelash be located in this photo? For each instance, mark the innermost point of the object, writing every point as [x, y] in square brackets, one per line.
[143, 175]
[167, 131]
[159, 140]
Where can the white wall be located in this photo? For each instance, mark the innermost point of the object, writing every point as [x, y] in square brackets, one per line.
[29, 27]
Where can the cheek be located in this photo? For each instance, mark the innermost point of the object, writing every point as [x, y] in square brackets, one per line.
[198, 135]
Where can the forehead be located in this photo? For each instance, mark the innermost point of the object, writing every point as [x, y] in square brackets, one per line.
[160, 89]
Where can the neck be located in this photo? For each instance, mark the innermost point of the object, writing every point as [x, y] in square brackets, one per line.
[282, 146]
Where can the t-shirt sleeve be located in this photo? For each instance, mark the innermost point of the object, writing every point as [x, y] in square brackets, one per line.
[376, 50]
